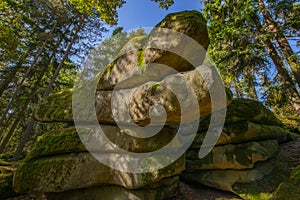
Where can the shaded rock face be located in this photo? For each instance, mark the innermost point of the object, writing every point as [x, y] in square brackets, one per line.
[289, 189]
[67, 140]
[245, 131]
[267, 180]
[245, 110]
[244, 160]
[240, 156]
[263, 178]
[166, 188]
[68, 172]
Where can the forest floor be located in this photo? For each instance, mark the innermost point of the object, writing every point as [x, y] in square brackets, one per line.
[199, 192]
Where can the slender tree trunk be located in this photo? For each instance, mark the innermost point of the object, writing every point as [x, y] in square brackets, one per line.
[11, 76]
[30, 125]
[24, 107]
[15, 125]
[237, 89]
[251, 82]
[61, 64]
[282, 42]
[8, 107]
[283, 74]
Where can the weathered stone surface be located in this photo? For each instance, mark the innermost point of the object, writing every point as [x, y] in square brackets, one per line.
[188, 23]
[129, 63]
[245, 131]
[74, 171]
[136, 66]
[263, 178]
[164, 189]
[240, 156]
[289, 189]
[66, 141]
[245, 110]
[134, 105]
[259, 182]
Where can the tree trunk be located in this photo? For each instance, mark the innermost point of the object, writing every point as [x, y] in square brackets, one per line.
[25, 76]
[238, 92]
[251, 85]
[30, 125]
[284, 45]
[61, 64]
[21, 112]
[11, 76]
[286, 80]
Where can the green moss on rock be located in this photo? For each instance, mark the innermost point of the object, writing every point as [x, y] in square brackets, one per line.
[55, 108]
[245, 131]
[240, 156]
[289, 189]
[62, 141]
[245, 110]
[74, 171]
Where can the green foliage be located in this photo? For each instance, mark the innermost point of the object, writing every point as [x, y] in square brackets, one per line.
[107, 10]
[239, 50]
[164, 3]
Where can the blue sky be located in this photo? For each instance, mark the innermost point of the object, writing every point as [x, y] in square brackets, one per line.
[146, 13]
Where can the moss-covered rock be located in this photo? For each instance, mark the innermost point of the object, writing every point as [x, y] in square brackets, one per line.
[74, 171]
[142, 59]
[140, 99]
[262, 180]
[289, 189]
[162, 190]
[65, 141]
[245, 110]
[240, 156]
[55, 108]
[125, 67]
[245, 131]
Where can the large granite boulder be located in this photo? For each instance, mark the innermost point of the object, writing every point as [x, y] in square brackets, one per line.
[240, 156]
[134, 105]
[245, 131]
[147, 56]
[81, 170]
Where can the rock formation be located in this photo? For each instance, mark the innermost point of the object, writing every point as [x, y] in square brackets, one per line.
[243, 160]
[60, 165]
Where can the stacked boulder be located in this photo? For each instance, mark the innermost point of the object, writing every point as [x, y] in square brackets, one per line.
[241, 161]
[61, 166]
